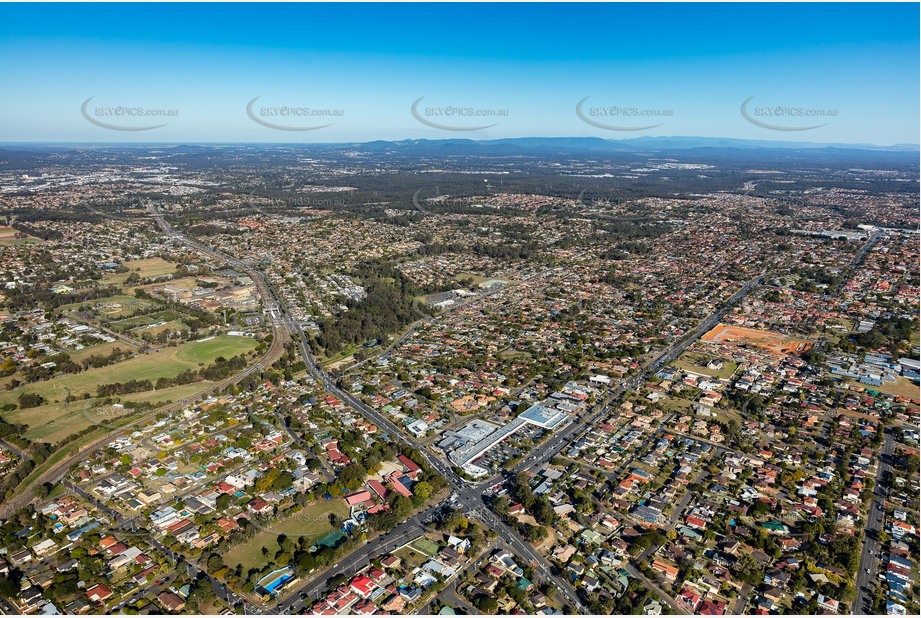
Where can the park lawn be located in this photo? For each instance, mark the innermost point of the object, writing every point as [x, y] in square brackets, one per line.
[151, 318]
[206, 350]
[151, 267]
[8, 237]
[311, 521]
[167, 315]
[508, 353]
[697, 363]
[163, 363]
[53, 422]
[135, 326]
[676, 404]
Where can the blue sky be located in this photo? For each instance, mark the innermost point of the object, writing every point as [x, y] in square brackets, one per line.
[693, 65]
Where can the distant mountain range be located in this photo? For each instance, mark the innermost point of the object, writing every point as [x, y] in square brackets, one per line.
[637, 144]
[505, 145]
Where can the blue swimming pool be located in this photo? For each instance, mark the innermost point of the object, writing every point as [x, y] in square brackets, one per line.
[275, 580]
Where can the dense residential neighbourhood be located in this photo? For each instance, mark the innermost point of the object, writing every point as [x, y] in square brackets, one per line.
[221, 400]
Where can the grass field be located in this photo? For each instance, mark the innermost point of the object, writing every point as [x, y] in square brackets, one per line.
[676, 404]
[511, 353]
[150, 267]
[145, 320]
[8, 238]
[54, 422]
[15, 242]
[186, 283]
[412, 557]
[115, 307]
[164, 363]
[697, 363]
[345, 357]
[311, 521]
[477, 279]
[425, 546]
[846, 325]
[174, 326]
[58, 456]
[133, 322]
[903, 387]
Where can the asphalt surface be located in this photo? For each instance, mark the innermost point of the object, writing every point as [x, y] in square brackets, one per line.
[869, 554]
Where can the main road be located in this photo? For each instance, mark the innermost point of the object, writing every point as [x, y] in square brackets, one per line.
[561, 438]
[869, 554]
[404, 533]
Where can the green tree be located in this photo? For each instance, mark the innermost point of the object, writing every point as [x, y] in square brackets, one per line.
[423, 490]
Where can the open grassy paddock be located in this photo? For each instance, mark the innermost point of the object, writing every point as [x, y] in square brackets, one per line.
[697, 363]
[102, 349]
[10, 237]
[52, 422]
[903, 387]
[117, 307]
[163, 363]
[146, 268]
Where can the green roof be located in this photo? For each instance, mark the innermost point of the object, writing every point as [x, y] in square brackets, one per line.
[524, 583]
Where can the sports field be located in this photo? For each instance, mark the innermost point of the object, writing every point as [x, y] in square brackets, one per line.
[164, 363]
[149, 267]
